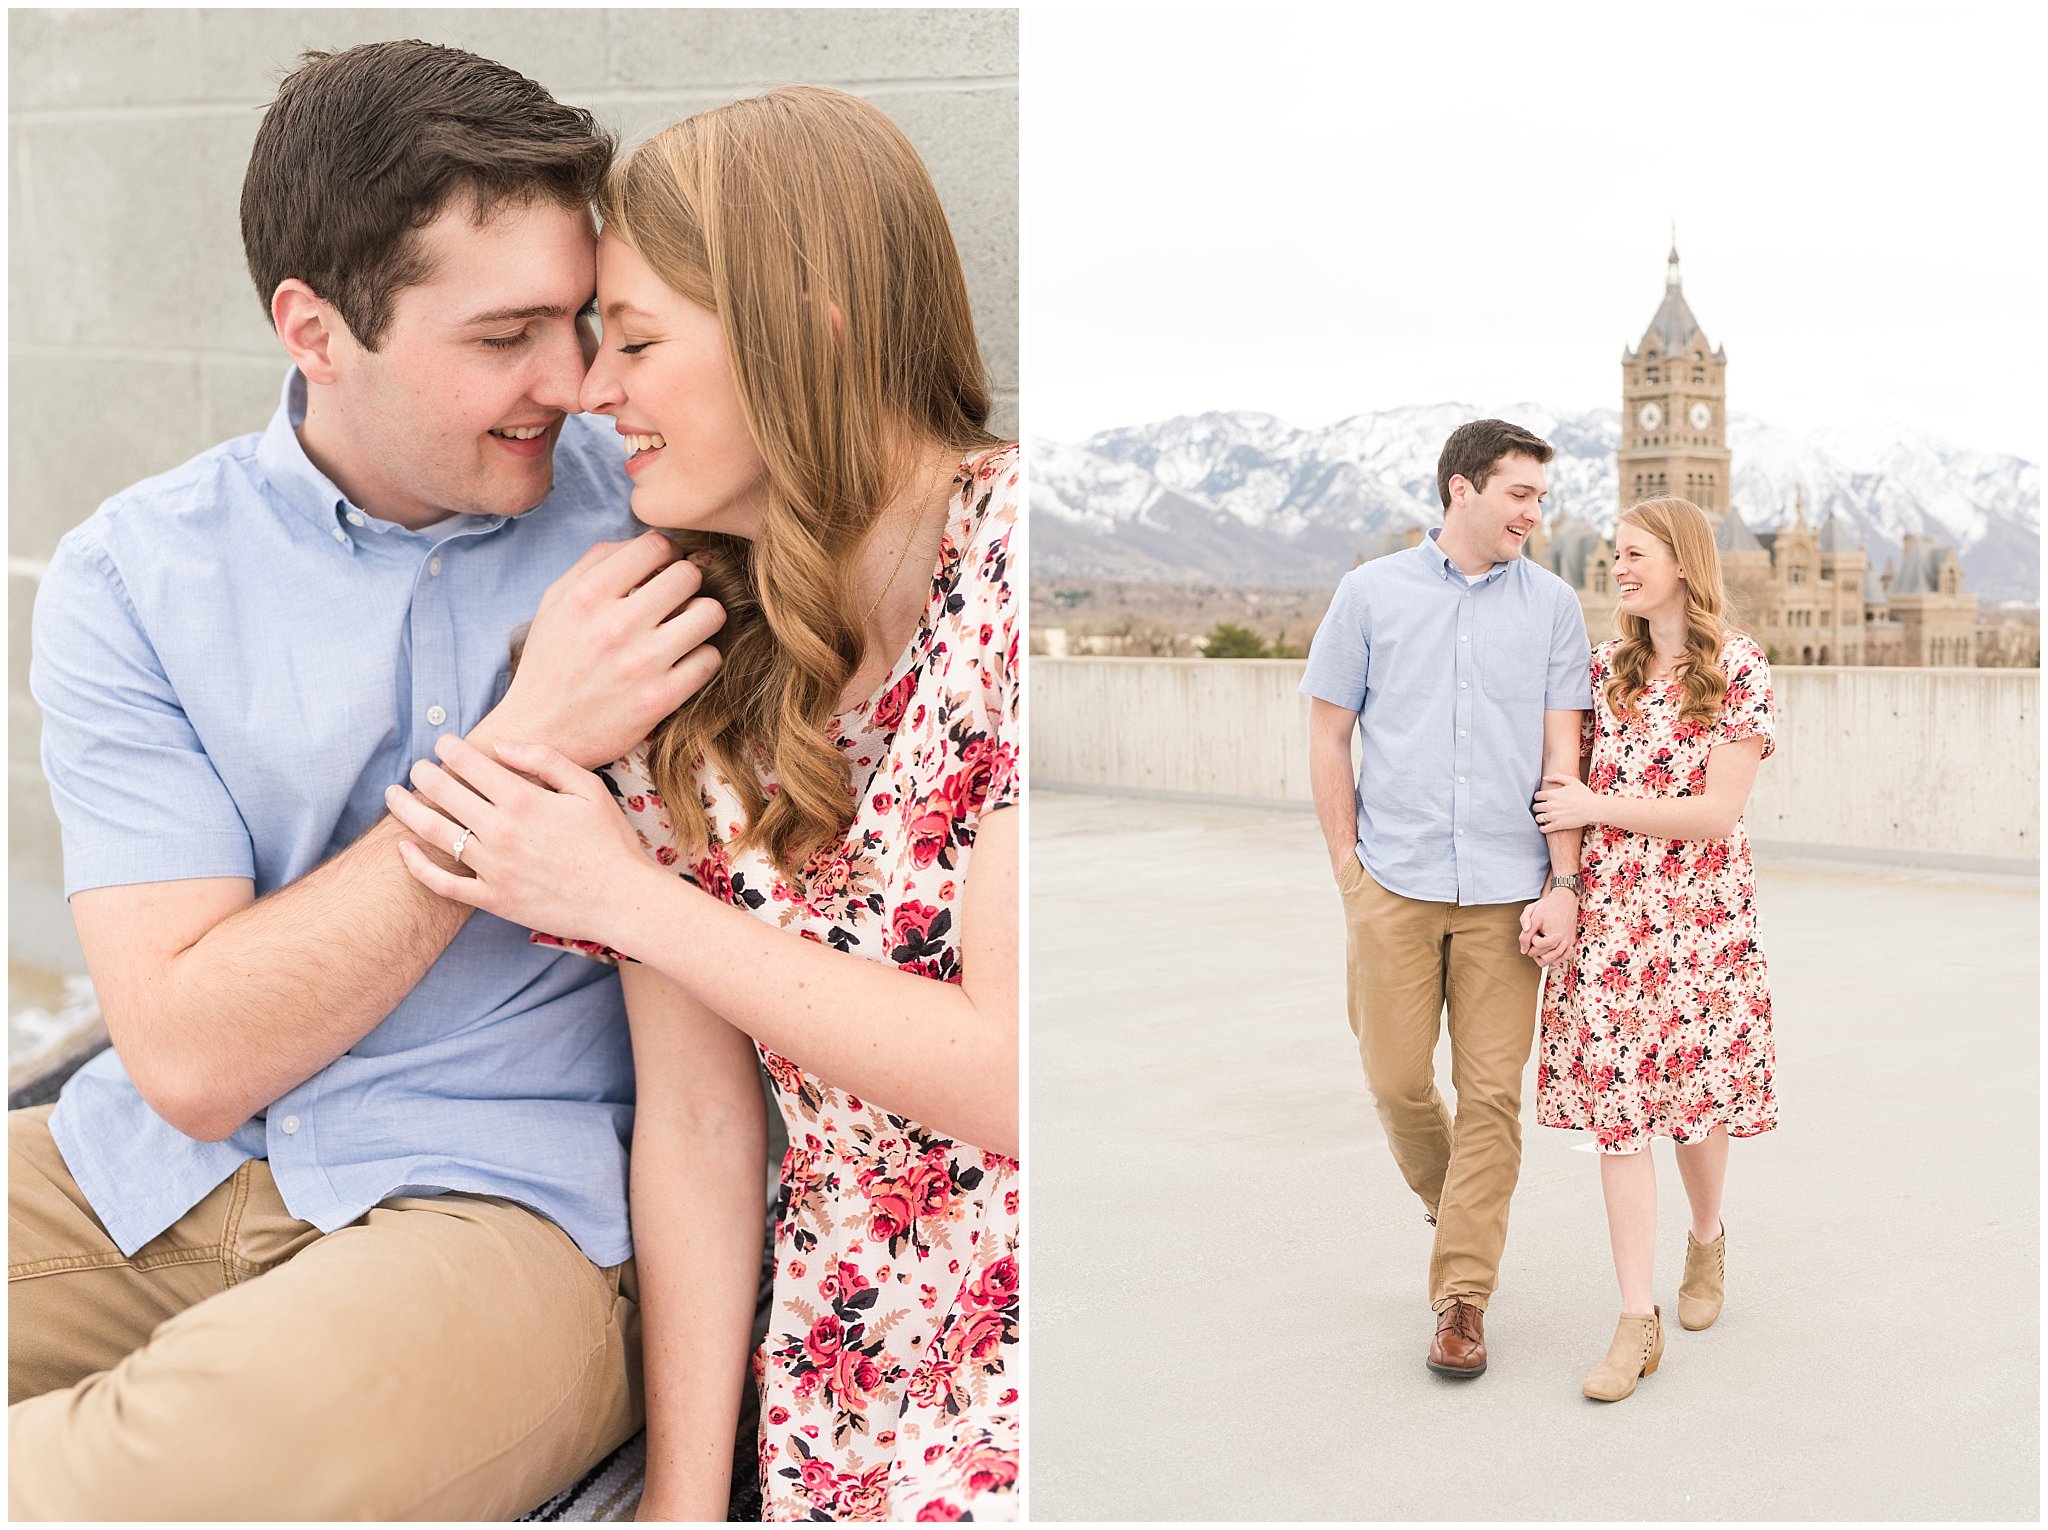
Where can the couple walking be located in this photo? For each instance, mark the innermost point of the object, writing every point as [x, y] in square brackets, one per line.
[1503, 762]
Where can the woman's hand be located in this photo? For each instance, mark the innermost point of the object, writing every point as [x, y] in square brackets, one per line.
[1550, 925]
[1566, 802]
[553, 852]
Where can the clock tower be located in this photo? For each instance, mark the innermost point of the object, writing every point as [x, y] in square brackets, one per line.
[1674, 424]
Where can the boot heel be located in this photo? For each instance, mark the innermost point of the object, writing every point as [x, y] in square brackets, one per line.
[1650, 1365]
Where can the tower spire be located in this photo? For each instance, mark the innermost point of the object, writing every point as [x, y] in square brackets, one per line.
[1671, 261]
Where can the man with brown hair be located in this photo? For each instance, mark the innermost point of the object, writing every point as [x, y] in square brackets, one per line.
[1463, 668]
[337, 1229]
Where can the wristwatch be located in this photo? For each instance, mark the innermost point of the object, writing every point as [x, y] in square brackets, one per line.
[1573, 884]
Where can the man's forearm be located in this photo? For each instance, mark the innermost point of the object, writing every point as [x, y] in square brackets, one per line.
[1335, 794]
[1562, 757]
[279, 989]
[1564, 846]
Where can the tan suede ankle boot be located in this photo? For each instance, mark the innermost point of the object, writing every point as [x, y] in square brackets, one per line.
[1701, 1289]
[1637, 1348]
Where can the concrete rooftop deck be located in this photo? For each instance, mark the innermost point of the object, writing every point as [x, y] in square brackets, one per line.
[1228, 1307]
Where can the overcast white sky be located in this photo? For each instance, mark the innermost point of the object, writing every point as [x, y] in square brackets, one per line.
[1313, 213]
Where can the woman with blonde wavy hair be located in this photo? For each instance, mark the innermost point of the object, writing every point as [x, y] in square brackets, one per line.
[808, 859]
[1658, 1022]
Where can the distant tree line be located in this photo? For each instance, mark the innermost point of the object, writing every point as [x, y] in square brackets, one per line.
[1229, 640]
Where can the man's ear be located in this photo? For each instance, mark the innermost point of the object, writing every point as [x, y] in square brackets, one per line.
[312, 331]
[1460, 486]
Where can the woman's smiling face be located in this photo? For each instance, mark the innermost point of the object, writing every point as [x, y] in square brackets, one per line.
[663, 375]
[1646, 572]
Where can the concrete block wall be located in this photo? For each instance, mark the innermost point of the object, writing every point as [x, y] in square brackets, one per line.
[135, 337]
[1932, 767]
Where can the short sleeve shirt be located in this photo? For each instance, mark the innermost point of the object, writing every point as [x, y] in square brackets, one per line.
[1450, 679]
[233, 662]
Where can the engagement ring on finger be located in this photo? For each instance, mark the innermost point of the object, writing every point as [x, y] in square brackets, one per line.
[460, 840]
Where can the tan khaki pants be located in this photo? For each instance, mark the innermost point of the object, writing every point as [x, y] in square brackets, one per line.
[1407, 962]
[444, 1357]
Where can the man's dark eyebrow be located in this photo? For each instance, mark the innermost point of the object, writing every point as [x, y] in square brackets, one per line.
[516, 315]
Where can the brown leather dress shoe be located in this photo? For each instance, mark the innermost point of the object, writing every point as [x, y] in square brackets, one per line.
[1459, 1348]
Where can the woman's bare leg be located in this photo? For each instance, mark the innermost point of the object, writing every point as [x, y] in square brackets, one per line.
[1704, 1168]
[1628, 1183]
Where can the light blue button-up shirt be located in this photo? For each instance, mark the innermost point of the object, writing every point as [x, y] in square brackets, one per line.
[233, 662]
[1450, 679]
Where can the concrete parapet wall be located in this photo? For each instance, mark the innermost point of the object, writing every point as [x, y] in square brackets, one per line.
[135, 339]
[1915, 766]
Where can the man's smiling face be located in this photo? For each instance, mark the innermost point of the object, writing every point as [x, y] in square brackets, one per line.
[1496, 522]
[460, 406]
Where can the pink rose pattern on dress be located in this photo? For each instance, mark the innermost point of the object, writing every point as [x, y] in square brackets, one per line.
[884, 1393]
[1659, 1023]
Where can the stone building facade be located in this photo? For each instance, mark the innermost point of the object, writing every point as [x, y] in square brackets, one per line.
[1808, 593]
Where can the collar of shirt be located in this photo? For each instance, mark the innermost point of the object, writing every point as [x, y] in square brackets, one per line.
[1447, 570]
[302, 489]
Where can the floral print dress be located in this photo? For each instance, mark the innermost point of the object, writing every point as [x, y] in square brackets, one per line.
[884, 1390]
[1659, 1023]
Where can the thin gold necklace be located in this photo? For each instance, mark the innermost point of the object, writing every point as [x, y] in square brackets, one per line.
[909, 538]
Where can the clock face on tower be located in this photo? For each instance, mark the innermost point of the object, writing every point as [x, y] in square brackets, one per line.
[1701, 416]
[1650, 417]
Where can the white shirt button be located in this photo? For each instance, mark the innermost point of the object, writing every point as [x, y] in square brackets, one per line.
[1461, 780]
[1461, 733]
[340, 535]
[1463, 639]
[433, 565]
[356, 518]
[1461, 685]
[291, 1123]
[1461, 834]
[436, 716]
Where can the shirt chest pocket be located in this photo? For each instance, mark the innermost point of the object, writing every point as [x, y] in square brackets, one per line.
[1511, 668]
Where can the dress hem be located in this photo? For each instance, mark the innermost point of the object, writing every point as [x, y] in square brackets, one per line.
[1650, 1136]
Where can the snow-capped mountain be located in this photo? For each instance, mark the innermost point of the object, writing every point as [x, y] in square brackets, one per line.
[1251, 499]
